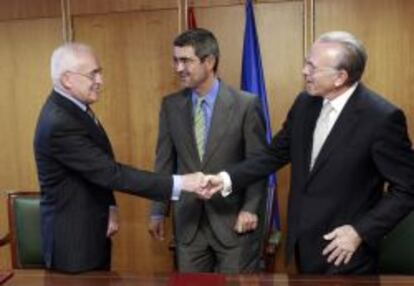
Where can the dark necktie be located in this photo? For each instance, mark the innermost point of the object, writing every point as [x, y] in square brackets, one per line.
[92, 115]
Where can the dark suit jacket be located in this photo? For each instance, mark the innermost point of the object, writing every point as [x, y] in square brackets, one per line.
[77, 173]
[367, 146]
[236, 133]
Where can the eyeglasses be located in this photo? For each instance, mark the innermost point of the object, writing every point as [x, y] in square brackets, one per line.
[93, 75]
[312, 69]
[184, 61]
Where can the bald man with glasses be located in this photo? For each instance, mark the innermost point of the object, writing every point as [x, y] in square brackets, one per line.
[77, 170]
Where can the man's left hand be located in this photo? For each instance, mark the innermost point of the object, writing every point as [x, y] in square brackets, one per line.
[113, 225]
[344, 242]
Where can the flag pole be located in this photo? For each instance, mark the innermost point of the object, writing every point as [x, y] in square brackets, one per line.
[186, 14]
[309, 24]
[180, 16]
[67, 31]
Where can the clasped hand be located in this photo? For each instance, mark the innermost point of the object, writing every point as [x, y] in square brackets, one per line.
[204, 186]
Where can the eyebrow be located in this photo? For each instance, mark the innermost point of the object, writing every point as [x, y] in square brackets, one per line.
[97, 70]
[183, 58]
[308, 62]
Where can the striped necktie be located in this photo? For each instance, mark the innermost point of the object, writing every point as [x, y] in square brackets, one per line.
[200, 126]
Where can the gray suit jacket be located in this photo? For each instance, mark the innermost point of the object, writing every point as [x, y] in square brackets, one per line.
[237, 132]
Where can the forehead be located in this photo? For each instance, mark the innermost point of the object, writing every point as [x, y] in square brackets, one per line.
[184, 52]
[87, 61]
[324, 53]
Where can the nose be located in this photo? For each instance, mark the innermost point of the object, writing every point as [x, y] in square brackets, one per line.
[179, 66]
[305, 70]
[99, 78]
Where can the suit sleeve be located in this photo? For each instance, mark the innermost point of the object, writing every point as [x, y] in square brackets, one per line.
[272, 158]
[255, 143]
[165, 157]
[73, 147]
[393, 156]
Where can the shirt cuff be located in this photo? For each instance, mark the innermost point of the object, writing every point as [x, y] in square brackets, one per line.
[157, 217]
[177, 186]
[227, 185]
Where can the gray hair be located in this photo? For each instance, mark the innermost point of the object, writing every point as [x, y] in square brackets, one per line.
[66, 58]
[353, 58]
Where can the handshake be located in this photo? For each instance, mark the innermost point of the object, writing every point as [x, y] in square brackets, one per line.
[205, 186]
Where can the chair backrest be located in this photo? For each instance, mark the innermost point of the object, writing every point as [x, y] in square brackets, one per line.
[397, 248]
[24, 224]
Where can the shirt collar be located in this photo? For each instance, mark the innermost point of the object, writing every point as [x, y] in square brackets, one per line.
[210, 96]
[339, 102]
[70, 97]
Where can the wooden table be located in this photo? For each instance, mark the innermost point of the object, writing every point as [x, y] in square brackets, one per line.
[43, 278]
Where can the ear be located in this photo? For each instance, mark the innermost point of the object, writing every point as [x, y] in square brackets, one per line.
[66, 81]
[210, 62]
[341, 78]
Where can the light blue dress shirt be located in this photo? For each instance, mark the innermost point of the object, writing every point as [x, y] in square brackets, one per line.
[208, 106]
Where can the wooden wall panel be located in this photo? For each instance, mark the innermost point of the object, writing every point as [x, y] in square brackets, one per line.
[80, 7]
[386, 28]
[24, 79]
[135, 49]
[23, 9]
[222, 3]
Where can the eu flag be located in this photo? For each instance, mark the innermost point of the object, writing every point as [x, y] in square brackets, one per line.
[252, 80]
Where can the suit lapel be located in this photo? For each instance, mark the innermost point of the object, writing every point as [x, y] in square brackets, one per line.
[96, 132]
[221, 117]
[343, 129]
[186, 130]
[310, 119]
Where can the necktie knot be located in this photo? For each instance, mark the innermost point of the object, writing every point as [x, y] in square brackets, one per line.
[90, 112]
[200, 102]
[326, 111]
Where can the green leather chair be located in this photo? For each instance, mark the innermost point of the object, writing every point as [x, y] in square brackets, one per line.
[397, 249]
[24, 225]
